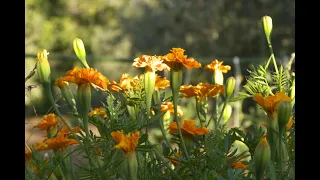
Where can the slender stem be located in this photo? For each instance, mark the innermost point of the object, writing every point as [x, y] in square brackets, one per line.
[224, 106]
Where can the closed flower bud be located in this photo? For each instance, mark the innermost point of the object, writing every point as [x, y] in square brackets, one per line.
[231, 81]
[80, 51]
[227, 113]
[284, 113]
[267, 27]
[130, 166]
[43, 67]
[262, 156]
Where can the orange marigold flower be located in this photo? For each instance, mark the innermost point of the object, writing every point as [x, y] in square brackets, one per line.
[65, 131]
[58, 143]
[161, 83]
[60, 83]
[126, 142]
[202, 90]
[99, 111]
[238, 165]
[290, 123]
[48, 121]
[151, 63]
[188, 128]
[177, 57]
[270, 103]
[173, 158]
[168, 106]
[86, 76]
[217, 65]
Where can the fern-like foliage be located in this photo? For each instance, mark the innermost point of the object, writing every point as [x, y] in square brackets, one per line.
[281, 81]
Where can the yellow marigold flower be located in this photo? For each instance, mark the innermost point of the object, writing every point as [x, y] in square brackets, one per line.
[99, 111]
[126, 142]
[238, 165]
[173, 159]
[161, 83]
[60, 83]
[188, 128]
[168, 106]
[150, 63]
[48, 121]
[86, 76]
[290, 123]
[270, 103]
[202, 90]
[58, 143]
[217, 65]
[177, 57]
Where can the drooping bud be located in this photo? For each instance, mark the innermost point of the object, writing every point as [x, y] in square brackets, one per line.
[43, 67]
[230, 84]
[80, 51]
[284, 113]
[227, 113]
[262, 156]
[67, 94]
[267, 27]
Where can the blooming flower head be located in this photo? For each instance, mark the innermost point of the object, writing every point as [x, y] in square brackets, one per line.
[58, 143]
[188, 128]
[176, 56]
[126, 142]
[150, 63]
[48, 121]
[168, 106]
[270, 103]
[99, 111]
[202, 90]
[238, 165]
[161, 83]
[86, 76]
[127, 83]
[60, 83]
[217, 66]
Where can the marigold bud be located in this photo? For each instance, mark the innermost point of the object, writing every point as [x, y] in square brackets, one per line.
[130, 166]
[231, 82]
[80, 51]
[43, 67]
[262, 156]
[227, 113]
[284, 113]
[267, 27]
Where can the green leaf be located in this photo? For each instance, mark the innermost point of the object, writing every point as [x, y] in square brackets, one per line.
[143, 138]
[230, 173]
[239, 98]
[272, 170]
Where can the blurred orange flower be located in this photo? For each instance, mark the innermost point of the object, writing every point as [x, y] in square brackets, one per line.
[150, 63]
[65, 131]
[58, 143]
[238, 165]
[202, 90]
[48, 121]
[60, 83]
[270, 103]
[168, 106]
[99, 111]
[86, 76]
[290, 123]
[217, 65]
[126, 142]
[188, 128]
[173, 159]
[176, 56]
[161, 83]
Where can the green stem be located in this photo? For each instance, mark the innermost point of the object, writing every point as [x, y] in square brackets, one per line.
[176, 81]
[224, 106]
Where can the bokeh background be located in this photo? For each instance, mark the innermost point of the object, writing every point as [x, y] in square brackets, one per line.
[117, 31]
